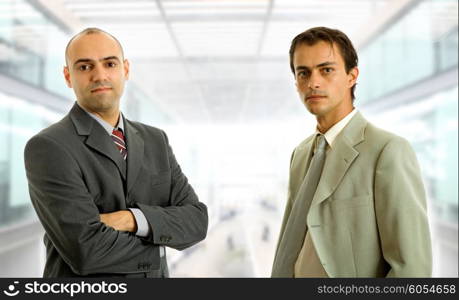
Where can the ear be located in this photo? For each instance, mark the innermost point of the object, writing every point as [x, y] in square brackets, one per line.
[126, 69]
[67, 76]
[352, 76]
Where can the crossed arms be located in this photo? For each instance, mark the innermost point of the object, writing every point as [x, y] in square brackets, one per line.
[90, 242]
[121, 220]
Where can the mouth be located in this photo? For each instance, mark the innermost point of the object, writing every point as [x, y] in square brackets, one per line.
[314, 97]
[101, 90]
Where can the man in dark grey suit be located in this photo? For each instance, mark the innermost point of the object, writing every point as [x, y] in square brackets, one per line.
[108, 191]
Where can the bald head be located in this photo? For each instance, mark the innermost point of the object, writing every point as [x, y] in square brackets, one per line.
[96, 70]
[90, 31]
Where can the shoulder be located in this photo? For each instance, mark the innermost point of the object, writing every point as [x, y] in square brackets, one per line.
[56, 133]
[383, 138]
[388, 146]
[305, 143]
[301, 149]
[53, 147]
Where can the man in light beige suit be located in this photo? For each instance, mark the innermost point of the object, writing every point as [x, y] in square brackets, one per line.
[366, 216]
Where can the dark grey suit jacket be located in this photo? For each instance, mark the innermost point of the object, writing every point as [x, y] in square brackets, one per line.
[75, 172]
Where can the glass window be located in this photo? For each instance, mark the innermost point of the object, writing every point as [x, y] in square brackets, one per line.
[407, 52]
[448, 45]
[446, 150]
[32, 47]
[19, 121]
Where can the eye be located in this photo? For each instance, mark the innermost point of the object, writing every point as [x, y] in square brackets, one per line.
[327, 70]
[111, 64]
[302, 74]
[84, 67]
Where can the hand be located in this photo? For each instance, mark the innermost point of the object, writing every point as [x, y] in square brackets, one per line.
[121, 220]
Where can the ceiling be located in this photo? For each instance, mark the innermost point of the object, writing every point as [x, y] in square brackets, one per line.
[203, 61]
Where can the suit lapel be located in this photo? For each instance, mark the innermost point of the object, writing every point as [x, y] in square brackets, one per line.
[97, 138]
[340, 157]
[135, 149]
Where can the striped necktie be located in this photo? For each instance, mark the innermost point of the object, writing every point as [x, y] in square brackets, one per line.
[118, 138]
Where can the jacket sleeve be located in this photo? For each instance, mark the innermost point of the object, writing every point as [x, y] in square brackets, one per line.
[71, 219]
[184, 222]
[401, 212]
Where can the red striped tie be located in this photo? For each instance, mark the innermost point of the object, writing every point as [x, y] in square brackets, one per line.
[118, 138]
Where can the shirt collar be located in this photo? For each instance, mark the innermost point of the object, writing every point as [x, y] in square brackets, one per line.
[108, 127]
[333, 132]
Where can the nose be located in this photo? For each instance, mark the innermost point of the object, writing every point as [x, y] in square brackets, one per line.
[99, 73]
[314, 80]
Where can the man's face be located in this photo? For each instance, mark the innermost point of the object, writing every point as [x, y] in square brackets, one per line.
[321, 80]
[96, 72]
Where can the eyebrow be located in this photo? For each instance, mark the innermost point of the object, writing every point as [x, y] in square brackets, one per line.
[324, 64]
[85, 60]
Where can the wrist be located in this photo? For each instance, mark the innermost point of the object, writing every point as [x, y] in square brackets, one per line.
[131, 222]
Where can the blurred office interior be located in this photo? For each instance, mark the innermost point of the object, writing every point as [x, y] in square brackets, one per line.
[215, 76]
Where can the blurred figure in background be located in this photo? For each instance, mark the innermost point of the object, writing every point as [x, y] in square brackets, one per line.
[356, 205]
[108, 191]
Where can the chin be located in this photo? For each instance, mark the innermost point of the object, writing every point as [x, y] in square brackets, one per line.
[315, 109]
[101, 105]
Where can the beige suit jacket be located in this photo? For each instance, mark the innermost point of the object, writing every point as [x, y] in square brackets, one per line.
[368, 216]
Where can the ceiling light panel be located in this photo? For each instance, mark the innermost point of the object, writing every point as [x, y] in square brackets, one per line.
[218, 38]
[215, 10]
[212, 4]
[109, 9]
[280, 34]
[110, 5]
[143, 40]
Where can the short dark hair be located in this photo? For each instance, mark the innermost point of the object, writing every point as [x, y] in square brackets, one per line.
[92, 30]
[333, 37]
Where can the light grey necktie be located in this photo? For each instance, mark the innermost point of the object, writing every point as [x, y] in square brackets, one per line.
[295, 228]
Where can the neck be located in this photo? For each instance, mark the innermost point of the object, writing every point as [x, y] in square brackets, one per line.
[109, 117]
[325, 122]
